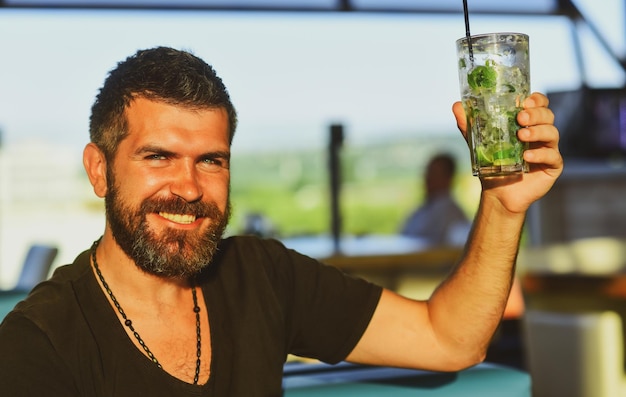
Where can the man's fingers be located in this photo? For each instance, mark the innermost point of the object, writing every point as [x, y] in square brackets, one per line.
[535, 111]
[459, 115]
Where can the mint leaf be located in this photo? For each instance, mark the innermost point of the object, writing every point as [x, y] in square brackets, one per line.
[482, 77]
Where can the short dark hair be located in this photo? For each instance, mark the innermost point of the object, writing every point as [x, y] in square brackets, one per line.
[162, 74]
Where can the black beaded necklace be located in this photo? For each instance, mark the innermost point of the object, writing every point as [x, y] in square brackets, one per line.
[129, 323]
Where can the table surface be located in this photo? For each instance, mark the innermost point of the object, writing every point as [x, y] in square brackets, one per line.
[323, 245]
[8, 300]
[611, 285]
[484, 380]
[377, 253]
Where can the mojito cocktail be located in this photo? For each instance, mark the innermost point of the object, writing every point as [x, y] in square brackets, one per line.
[494, 79]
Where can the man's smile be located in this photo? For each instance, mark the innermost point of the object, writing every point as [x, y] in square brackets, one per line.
[179, 218]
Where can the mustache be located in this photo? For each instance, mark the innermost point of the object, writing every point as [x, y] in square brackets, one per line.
[177, 205]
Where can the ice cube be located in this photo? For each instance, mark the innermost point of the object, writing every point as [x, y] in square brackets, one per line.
[507, 56]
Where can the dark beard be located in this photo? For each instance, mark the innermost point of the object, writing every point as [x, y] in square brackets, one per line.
[175, 253]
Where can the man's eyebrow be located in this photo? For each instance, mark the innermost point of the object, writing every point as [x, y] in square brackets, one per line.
[153, 149]
[224, 154]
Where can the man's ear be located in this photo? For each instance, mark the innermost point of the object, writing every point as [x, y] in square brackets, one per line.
[96, 166]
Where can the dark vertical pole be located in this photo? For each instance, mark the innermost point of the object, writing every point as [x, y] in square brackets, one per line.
[2, 176]
[336, 140]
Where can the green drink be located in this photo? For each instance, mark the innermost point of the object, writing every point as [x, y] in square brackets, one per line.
[494, 79]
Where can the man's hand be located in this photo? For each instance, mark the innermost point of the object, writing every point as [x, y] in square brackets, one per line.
[516, 193]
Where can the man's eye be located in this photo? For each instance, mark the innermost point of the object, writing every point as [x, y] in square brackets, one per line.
[212, 161]
[215, 163]
[156, 157]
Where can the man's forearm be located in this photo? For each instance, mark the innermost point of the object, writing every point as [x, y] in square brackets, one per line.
[467, 307]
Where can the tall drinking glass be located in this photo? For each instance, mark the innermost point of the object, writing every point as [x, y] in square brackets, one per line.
[494, 76]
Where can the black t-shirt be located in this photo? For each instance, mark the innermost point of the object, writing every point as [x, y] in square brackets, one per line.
[263, 300]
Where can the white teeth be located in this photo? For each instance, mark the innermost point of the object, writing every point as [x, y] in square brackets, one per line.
[178, 218]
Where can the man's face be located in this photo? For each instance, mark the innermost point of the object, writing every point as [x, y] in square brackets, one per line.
[167, 195]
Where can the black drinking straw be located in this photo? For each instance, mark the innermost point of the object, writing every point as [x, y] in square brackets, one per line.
[467, 31]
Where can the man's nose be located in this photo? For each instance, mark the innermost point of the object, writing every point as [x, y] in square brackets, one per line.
[186, 184]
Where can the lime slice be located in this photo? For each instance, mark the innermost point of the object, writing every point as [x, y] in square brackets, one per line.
[503, 154]
[484, 155]
[500, 162]
[506, 155]
[504, 150]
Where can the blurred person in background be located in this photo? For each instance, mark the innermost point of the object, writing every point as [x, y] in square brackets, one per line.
[439, 220]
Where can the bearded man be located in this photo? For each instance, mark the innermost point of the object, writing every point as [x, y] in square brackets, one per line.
[163, 305]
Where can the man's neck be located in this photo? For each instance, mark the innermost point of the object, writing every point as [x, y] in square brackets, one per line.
[129, 280]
